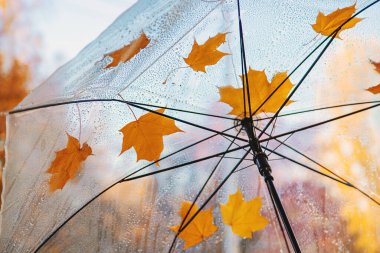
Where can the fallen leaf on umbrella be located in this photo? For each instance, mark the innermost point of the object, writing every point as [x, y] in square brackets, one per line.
[127, 52]
[146, 134]
[374, 89]
[376, 65]
[206, 54]
[200, 227]
[259, 89]
[243, 216]
[327, 24]
[67, 163]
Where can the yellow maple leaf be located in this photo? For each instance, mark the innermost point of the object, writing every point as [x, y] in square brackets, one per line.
[146, 134]
[199, 229]
[243, 216]
[259, 89]
[327, 24]
[67, 163]
[127, 52]
[206, 54]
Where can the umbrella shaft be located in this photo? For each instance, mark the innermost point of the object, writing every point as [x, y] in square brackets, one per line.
[261, 161]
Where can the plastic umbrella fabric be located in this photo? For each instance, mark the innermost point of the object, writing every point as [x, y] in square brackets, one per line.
[155, 138]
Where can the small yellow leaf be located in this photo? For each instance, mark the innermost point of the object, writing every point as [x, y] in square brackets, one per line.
[259, 89]
[327, 24]
[67, 163]
[374, 89]
[243, 216]
[127, 52]
[199, 229]
[146, 134]
[206, 54]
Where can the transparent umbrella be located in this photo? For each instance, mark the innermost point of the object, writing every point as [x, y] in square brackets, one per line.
[205, 126]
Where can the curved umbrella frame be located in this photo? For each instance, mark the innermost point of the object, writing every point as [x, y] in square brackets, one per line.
[253, 144]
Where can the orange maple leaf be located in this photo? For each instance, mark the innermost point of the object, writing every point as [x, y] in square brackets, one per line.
[259, 89]
[67, 163]
[146, 134]
[374, 89]
[200, 227]
[243, 216]
[376, 65]
[127, 52]
[206, 54]
[327, 24]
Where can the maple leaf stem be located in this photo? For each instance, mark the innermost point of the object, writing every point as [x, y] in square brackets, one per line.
[172, 71]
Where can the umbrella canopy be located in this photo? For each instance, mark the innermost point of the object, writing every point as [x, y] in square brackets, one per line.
[144, 141]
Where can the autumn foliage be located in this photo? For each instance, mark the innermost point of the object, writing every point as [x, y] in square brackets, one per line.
[206, 54]
[327, 24]
[127, 52]
[67, 163]
[12, 90]
[146, 134]
[259, 89]
[199, 229]
[243, 216]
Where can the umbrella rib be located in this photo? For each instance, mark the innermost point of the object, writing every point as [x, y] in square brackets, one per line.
[341, 180]
[128, 103]
[173, 153]
[113, 184]
[312, 52]
[307, 167]
[281, 143]
[216, 189]
[185, 122]
[184, 164]
[319, 109]
[246, 167]
[345, 182]
[186, 111]
[244, 67]
[200, 192]
[329, 170]
[319, 123]
[116, 100]
[299, 83]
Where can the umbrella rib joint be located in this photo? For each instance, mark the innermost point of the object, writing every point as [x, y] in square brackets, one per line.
[261, 161]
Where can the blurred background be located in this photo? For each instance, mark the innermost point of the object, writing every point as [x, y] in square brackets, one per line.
[38, 36]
